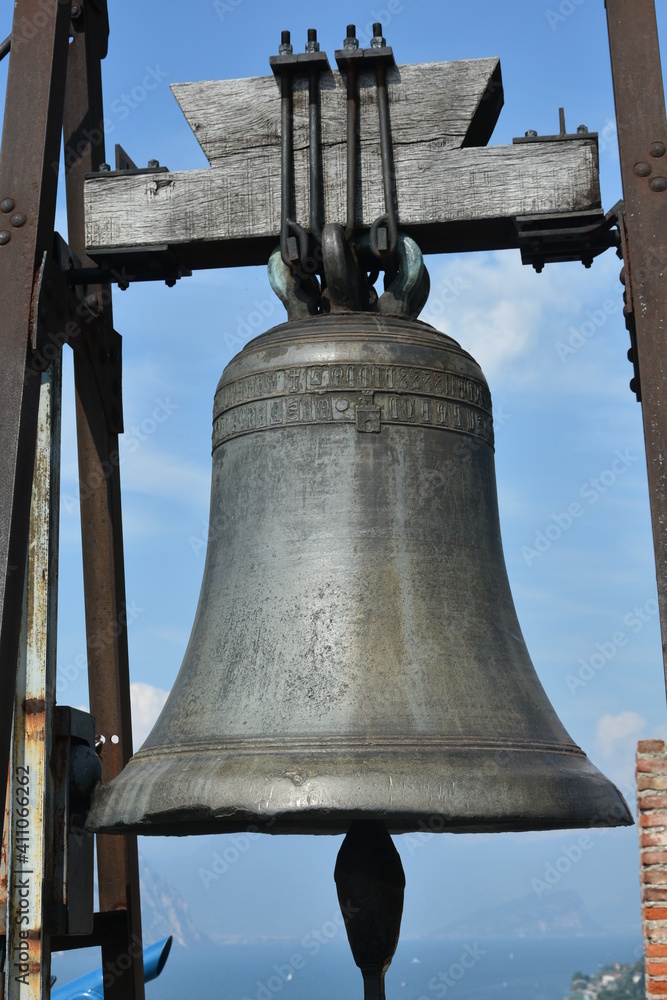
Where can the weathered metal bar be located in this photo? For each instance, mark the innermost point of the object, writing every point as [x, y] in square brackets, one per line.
[101, 524]
[30, 857]
[28, 180]
[450, 200]
[5, 47]
[642, 137]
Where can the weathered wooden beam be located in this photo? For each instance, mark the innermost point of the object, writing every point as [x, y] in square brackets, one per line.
[449, 199]
[449, 104]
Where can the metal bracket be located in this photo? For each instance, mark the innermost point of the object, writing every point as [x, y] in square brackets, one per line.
[60, 317]
[545, 239]
[126, 167]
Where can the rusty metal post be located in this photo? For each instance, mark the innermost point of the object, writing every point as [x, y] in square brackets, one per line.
[642, 138]
[101, 521]
[30, 842]
[29, 159]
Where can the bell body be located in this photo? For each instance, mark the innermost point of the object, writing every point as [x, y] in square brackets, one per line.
[356, 653]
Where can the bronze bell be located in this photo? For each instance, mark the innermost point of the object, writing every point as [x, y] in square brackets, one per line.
[356, 653]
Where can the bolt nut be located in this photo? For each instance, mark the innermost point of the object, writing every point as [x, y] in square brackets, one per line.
[377, 41]
[76, 11]
[582, 129]
[531, 133]
[6, 205]
[351, 42]
[642, 168]
[105, 168]
[658, 184]
[5, 237]
[18, 220]
[153, 164]
[657, 149]
[312, 45]
[285, 48]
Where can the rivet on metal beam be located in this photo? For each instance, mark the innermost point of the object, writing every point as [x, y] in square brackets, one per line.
[105, 168]
[642, 168]
[18, 220]
[153, 164]
[76, 12]
[5, 237]
[531, 133]
[6, 205]
[657, 149]
[658, 184]
[582, 129]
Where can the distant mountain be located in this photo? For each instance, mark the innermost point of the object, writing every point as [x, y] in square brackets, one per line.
[165, 912]
[558, 914]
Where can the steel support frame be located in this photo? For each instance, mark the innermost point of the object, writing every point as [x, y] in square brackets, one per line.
[642, 138]
[101, 517]
[52, 83]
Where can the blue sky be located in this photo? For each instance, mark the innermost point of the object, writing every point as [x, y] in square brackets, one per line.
[568, 432]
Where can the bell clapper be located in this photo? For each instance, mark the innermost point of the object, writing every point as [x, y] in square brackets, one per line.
[370, 883]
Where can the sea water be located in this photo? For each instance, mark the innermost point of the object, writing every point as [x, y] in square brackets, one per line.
[486, 969]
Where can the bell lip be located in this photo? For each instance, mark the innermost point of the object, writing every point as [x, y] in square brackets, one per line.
[485, 794]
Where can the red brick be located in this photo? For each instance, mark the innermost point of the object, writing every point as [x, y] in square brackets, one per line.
[655, 913]
[653, 819]
[657, 968]
[653, 765]
[652, 877]
[657, 988]
[653, 839]
[654, 858]
[651, 746]
[652, 802]
[655, 782]
[654, 895]
[656, 950]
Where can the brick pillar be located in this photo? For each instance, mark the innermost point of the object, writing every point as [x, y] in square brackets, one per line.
[652, 813]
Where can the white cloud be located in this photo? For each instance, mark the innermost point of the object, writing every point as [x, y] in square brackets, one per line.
[618, 733]
[147, 703]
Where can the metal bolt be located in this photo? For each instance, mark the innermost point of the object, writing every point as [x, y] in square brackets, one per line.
[351, 42]
[18, 220]
[312, 45]
[6, 205]
[91, 301]
[285, 47]
[582, 129]
[105, 168]
[531, 133]
[621, 276]
[153, 164]
[76, 11]
[657, 149]
[642, 169]
[5, 237]
[377, 41]
[658, 184]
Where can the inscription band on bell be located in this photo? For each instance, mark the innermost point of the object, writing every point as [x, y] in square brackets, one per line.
[333, 393]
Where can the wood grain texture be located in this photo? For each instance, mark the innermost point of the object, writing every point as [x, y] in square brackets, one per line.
[230, 214]
[438, 103]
